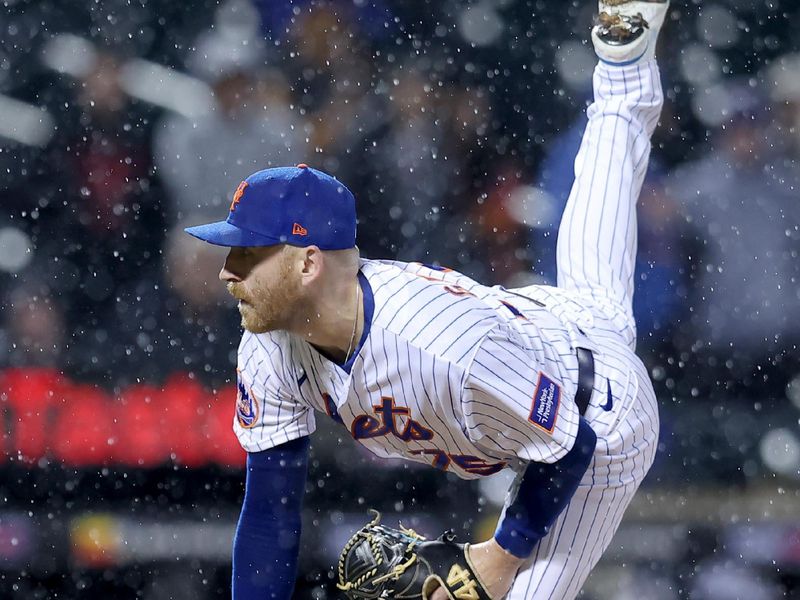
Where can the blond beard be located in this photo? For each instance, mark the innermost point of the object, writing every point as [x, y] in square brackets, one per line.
[270, 309]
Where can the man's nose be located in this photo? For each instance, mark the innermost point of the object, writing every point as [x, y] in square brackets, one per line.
[227, 275]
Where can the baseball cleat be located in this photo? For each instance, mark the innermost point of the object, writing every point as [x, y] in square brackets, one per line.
[626, 31]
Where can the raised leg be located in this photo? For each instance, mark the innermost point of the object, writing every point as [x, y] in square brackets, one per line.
[596, 250]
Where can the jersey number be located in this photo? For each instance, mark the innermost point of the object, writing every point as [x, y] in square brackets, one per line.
[471, 464]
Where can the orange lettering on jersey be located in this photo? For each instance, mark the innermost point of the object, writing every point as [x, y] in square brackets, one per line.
[366, 426]
[471, 464]
[441, 460]
[457, 290]
[433, 267]
[415, 432]
[514, 310]
[477, 466]
[237, 195]
[450, 288]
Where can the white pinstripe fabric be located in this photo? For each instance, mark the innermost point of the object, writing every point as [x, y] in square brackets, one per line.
[463, 359]
[596, 257]
[441, 345]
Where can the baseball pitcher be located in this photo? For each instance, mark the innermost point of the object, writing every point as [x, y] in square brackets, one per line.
[425, 364]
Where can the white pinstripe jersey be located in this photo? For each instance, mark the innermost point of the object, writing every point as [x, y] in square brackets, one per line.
[448, 372]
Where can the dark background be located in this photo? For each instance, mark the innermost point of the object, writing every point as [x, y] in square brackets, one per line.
[455, 124]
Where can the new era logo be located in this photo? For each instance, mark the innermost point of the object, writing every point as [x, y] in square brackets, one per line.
[299, 230]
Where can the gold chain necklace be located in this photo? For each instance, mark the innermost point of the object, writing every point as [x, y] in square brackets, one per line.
[355, 324]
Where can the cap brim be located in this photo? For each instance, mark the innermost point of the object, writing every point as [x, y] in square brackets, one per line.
[223, 233]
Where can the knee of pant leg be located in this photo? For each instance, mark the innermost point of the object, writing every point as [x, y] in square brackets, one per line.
[622, 319]
[629, 332]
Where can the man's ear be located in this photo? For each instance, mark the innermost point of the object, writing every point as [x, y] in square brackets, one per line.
[313, 264]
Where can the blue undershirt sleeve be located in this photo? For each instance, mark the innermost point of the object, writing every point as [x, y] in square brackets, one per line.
[267, 540]
[542, 493]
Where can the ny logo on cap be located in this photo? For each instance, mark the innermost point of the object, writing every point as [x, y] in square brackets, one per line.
[237, 195]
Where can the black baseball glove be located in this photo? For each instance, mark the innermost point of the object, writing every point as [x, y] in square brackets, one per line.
[381, 562]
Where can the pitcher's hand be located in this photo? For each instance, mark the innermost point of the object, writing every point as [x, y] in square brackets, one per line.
[495, 568]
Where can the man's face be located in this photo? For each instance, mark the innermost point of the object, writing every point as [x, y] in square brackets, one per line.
[266, 285]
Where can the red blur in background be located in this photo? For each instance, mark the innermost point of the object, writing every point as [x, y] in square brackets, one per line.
[50, 417]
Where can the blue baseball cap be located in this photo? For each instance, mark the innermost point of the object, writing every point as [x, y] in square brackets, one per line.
[298, 205]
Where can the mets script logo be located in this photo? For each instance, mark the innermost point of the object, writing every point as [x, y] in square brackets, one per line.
[394, 420]
[546, 399]
[246, 406]
[389, 421]
[237, 195]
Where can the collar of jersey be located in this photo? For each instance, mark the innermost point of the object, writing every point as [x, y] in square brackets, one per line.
[369, 309]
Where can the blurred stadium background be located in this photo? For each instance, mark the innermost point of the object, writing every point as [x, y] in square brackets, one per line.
[455, 123]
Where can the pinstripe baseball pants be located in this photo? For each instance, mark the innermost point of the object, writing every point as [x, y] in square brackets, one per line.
[596, 256]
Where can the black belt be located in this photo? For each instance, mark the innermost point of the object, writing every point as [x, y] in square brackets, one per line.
[585, 379]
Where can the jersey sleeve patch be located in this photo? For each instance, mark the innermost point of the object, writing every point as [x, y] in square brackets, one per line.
[546, 400]
[247, 409]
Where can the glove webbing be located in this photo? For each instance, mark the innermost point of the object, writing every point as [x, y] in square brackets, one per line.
[367, 533]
